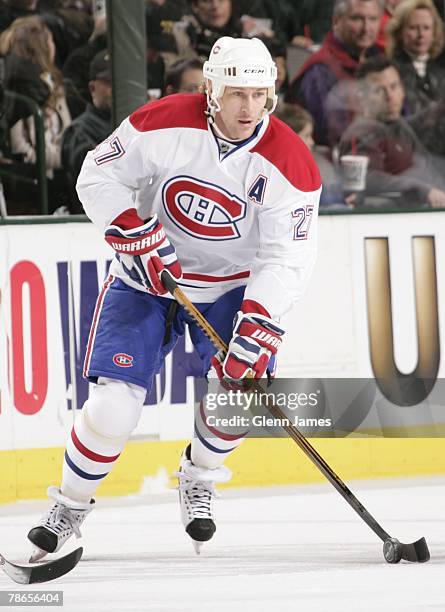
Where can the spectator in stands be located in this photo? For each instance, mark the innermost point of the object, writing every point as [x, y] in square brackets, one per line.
[83, 6]
[440, 8]
[30, 70]
[71, 26]
[325, 83]
[155, 66]
[10, 10]
[415, 41]
[210, 20]
[308, 22]
[262, 18]
[184, 76]
[429, 125]
[398, 163]
[193, 34]
[278, 52]
[90, 128]
[388, 11]
[77, 66]
[300, 121]
[166, 29]
[78, 14]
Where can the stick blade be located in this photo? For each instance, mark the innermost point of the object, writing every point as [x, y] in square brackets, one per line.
[33, 574]
[417, 552]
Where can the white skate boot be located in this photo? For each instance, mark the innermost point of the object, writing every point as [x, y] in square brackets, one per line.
[62, 520]
[196, 492]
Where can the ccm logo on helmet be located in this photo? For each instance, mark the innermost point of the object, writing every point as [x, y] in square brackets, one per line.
[203, 209]
[254, 71]
[123, 360]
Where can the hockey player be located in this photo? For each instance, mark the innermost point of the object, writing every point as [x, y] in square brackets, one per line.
[225, 197]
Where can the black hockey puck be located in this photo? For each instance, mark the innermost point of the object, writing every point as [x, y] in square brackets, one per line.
[392, 550]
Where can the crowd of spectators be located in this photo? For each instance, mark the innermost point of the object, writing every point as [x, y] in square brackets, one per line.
[372, 82]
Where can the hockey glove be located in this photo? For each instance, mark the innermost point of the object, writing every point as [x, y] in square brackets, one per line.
[252, 349]
[144, 251]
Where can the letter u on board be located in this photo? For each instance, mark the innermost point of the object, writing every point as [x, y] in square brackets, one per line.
[403, 389]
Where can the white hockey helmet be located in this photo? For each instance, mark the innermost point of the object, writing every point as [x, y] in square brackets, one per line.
[239, 62]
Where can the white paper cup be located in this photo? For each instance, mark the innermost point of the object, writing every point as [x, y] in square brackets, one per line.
[354, 169]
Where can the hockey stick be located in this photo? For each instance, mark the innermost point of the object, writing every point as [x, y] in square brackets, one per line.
[393, 550]
[50, 570]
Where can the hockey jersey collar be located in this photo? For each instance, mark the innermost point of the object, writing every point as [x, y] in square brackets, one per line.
[244, 146]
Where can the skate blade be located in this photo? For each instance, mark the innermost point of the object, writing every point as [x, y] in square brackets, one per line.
[37, 554]
[197, 546]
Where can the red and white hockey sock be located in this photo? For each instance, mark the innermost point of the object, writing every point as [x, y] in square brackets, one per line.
[88, 459]
[212, 443]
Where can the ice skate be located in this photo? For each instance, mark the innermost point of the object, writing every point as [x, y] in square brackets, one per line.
[62, 520]
[196, 493]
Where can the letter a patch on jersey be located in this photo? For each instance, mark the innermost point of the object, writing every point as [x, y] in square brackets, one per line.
[257, 189]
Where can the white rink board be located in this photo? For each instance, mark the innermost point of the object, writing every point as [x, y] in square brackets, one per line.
[327, 333]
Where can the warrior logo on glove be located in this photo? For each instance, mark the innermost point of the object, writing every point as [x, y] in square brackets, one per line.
[254, 344]
[143, 250]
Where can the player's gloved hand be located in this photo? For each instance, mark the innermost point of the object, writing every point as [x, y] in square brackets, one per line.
[143, 250]
[252, 349]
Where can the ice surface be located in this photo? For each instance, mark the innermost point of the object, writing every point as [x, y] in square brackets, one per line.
[296, 548]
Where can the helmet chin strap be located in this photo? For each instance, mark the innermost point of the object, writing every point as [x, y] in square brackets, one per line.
[220, 133]
[213, 106]
[210, 117]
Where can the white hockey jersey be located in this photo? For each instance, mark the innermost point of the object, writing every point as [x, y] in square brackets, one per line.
[245, 217]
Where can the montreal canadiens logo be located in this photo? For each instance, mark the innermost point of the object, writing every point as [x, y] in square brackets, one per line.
[123, 360]
[203, 209]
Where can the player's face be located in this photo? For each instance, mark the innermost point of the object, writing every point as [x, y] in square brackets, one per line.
[241, 109]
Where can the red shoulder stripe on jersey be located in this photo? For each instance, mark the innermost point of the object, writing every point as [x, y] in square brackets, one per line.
[252, 307]
[288, 153]
[175, 111]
